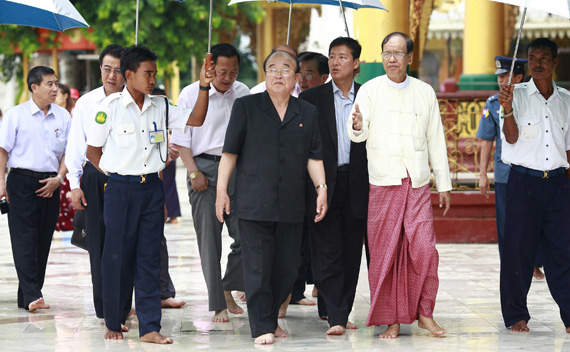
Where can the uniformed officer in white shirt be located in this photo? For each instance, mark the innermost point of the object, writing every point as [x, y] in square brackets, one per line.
[86, 182]
[132, 128]
[200, 149]
[534, 124]
[32, 144]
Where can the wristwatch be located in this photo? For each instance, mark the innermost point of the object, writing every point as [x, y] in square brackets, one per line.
[205, 88]
[61, 181]
[194, 174]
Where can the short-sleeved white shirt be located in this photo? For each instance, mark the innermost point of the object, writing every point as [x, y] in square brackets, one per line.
[85, 108]
[123, 130]
[543, 128]
[34, 140]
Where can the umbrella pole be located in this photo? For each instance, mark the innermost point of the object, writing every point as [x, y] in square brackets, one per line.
[209, 54]
[517, 46]
[344, 17]
[137, 25]
[289, 25]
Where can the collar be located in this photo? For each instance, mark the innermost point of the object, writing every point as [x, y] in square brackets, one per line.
[213, 91]
[128, 99]
[34, 109]
[337, 89]
[402, 85]
[532, 89]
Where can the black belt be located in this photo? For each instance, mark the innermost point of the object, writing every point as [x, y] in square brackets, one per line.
[538, 173]
[343, 168]
[41, 175]
[139, 178]
[209, 157]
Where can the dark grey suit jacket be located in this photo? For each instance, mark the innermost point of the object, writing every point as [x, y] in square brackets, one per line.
[322, 98]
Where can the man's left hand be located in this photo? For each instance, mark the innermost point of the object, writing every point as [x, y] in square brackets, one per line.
[445, 198]
[51, 184]
[322, 205]
[207, 77]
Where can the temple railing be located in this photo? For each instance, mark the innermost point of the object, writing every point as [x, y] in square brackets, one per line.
[461, 113]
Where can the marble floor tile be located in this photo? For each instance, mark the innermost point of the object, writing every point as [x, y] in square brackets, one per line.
[467, 305]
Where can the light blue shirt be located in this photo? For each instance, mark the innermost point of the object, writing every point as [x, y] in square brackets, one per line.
[342, 108]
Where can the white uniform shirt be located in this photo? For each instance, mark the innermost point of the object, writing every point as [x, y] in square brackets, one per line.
[261, 87]
[543, 128]
[124, 133]
[402, 127]
[208, 138]
[35, 141]
[85, 109]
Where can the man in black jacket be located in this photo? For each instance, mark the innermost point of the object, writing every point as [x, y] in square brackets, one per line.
[336, 241]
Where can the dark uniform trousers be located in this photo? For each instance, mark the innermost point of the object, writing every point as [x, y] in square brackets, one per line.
[271, 254]
[93, 185]
[134, 222]
[31, 221]
[537, 209]
[336, 252]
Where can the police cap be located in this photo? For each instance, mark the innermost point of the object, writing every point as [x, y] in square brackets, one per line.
[504, 65]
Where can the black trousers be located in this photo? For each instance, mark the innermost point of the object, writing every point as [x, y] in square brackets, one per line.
[537, 209]
[271, 254]
[336, 252]
[304, 274]
[93, 185]
[134, 226]
[31, 221]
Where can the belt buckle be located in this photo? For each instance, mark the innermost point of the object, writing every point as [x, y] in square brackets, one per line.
[545, 174]
[143, 179]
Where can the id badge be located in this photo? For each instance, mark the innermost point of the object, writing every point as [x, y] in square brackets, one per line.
[156, 136]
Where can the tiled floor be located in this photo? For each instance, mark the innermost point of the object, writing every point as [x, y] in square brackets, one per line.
[467, 306]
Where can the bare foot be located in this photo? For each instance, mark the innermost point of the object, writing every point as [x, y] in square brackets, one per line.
[568, 330]
[156, 337]
[305, 302]
[171, 303]
[172, 220]
[351, 325]
[221, 316]
[240, 295]
[113, 335]
[538, 273]
[520, 326]
[124, 328]
[430, 325]
[391, 332]
[132, 312]
[280, 332]
[265, 339]
[38, 304]
[231, 304]
[336, 330]
[315, 292]
[283, 308]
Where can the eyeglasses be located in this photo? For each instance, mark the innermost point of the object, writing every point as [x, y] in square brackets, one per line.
[398, 56]
[108, 71]
[308, 76]
[284, 72]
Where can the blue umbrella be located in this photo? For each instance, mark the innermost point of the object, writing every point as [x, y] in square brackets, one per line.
[353, 4]
[57, 15]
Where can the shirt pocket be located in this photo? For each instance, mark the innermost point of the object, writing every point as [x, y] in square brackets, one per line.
[529, 128]
[419, 129]
[124, 133]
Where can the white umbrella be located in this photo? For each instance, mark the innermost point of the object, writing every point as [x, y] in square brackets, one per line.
[353, 4]
[555, 7]
[57, 15]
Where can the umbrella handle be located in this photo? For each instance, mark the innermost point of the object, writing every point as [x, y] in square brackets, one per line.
[208, 61]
